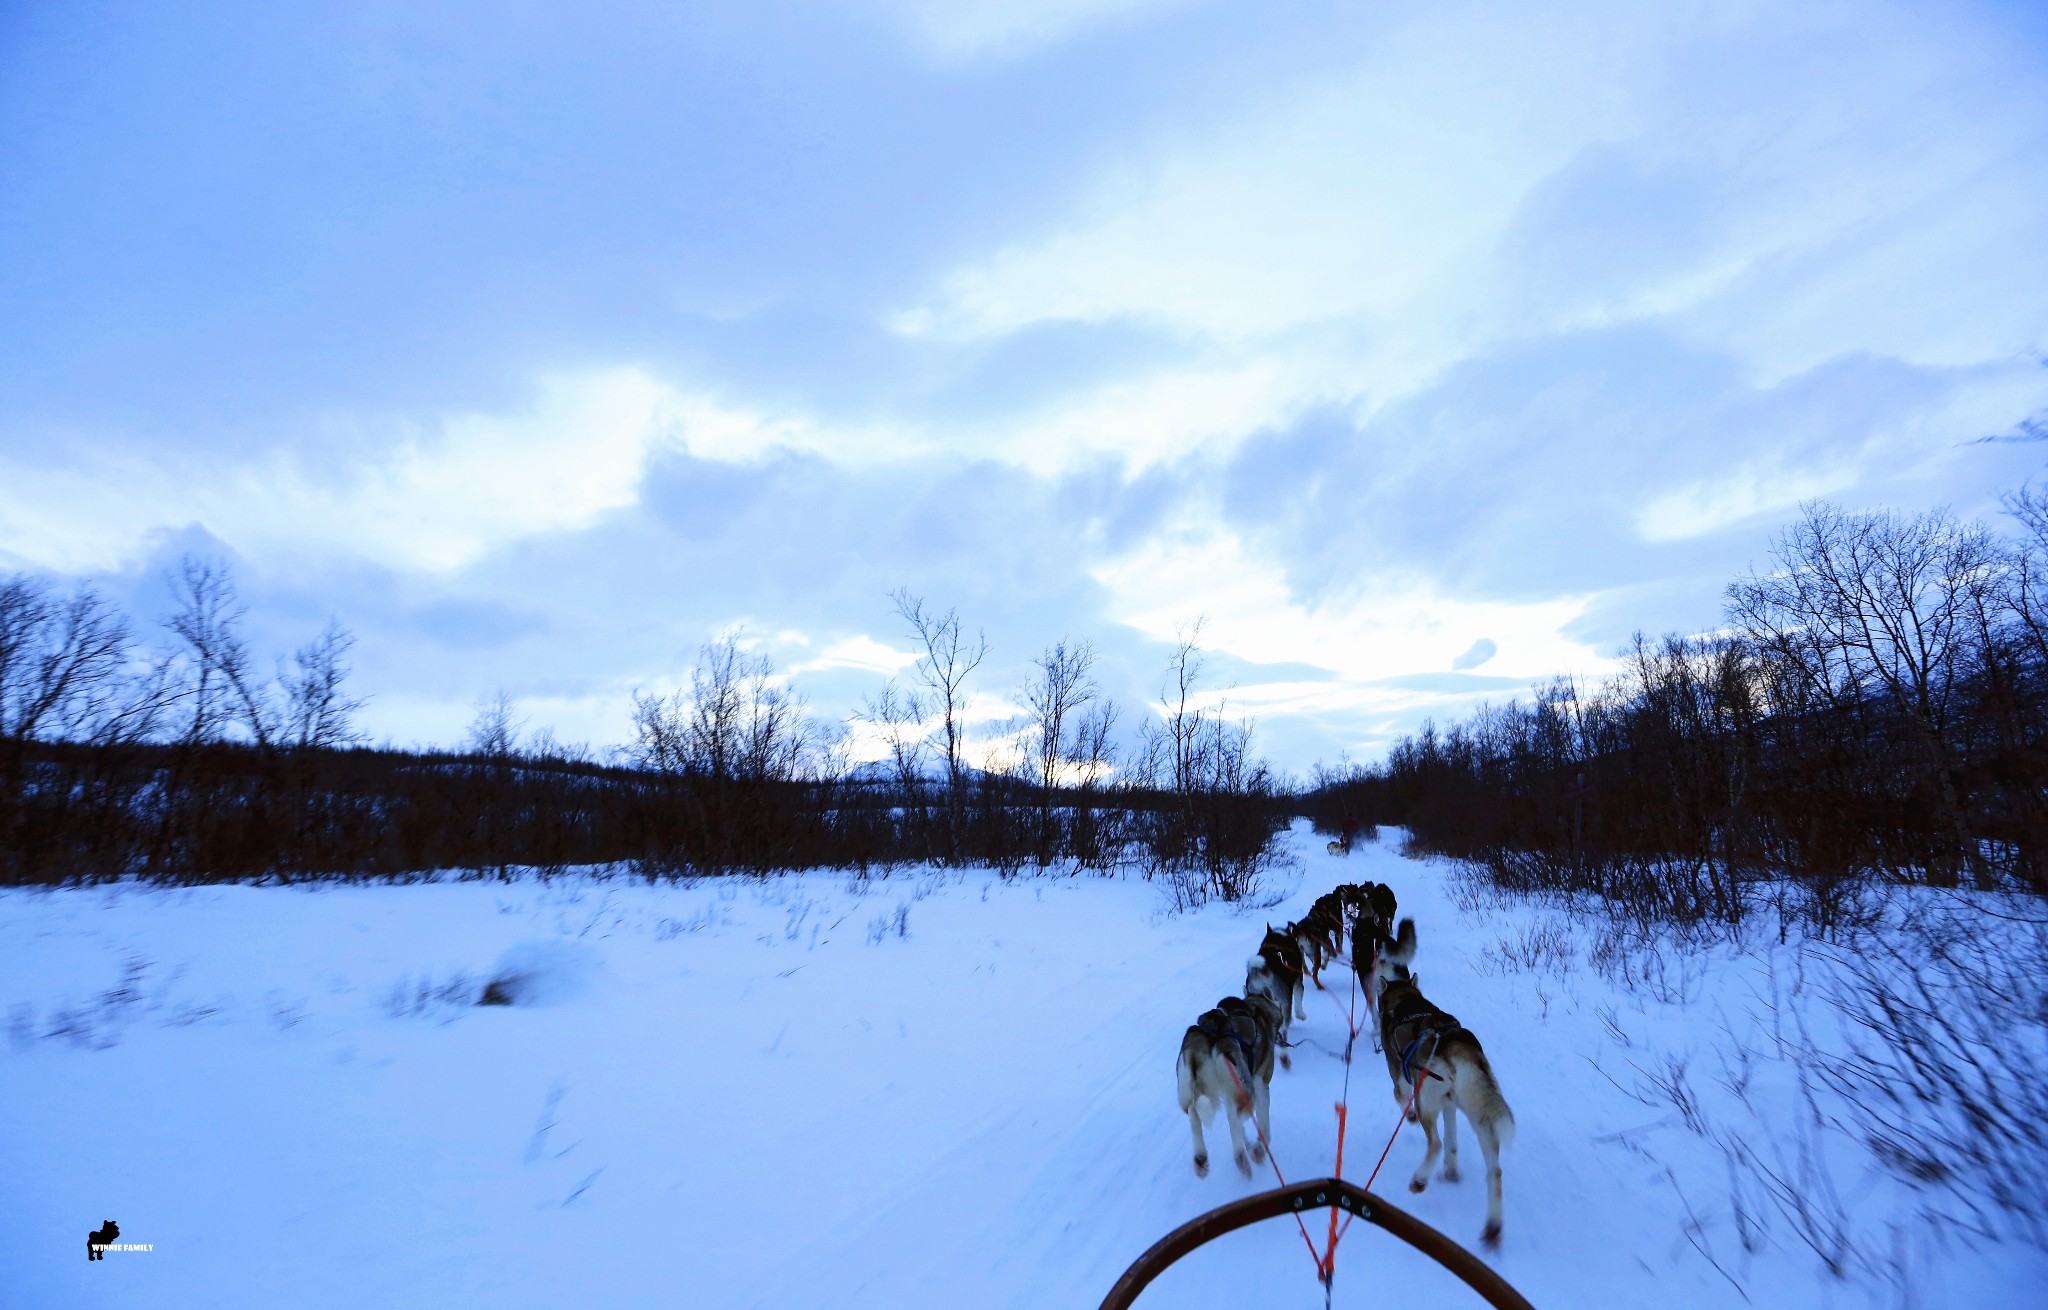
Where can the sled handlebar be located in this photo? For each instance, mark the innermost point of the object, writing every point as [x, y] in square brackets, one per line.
[1317, 1195]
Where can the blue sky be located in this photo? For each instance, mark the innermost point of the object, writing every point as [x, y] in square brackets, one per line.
[1422, 350]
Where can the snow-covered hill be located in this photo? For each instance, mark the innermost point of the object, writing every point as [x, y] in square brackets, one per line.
[923, 1090]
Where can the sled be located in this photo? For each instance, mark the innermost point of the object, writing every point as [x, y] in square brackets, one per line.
[1317, 1195]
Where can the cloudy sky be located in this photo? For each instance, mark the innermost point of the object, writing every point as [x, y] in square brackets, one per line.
[1422, 349]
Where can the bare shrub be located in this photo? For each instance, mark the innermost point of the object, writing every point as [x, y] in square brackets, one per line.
[1546, 946]
[882, 925]
[1945, 1073]
[411, 996]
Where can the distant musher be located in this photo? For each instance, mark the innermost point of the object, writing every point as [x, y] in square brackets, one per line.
[1342, 846]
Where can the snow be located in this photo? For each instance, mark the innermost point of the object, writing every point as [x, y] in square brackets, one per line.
[925, 1089]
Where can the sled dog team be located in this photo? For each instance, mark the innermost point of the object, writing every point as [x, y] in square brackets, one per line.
[1226, 1058]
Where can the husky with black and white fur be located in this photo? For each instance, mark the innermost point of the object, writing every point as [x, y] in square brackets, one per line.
[1422, 1041]
[1278, 973]
[1226, 1059]
[1320, 933]
[1374, 952]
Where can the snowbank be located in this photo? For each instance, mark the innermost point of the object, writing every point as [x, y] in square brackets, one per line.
[740, 1094]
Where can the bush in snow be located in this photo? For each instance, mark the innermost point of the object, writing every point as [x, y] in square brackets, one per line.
[539, 973]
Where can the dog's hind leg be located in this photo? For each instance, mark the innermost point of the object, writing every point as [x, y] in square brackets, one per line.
[1201, 1147]
[1429, 1115]
[1262, 1116]
[1372, 1000]
[1241, 1152]
[1450, 1169]
[1301, 1000]
[1489, 1146]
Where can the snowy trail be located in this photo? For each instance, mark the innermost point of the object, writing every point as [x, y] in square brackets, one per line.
[764, 1094]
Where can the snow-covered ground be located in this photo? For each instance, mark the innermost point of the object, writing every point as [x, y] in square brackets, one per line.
[924, 1090]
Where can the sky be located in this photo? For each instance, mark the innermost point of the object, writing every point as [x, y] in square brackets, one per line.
[1420, 351]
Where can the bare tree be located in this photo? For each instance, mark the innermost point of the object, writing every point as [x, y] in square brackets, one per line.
[1213, 841]
[899, 716]
[736, 721]
[1098, 832]
[1091, 749]
[1059, 690]
[494, 732]
[25, 608]
[61, 661]
[949, 658]
[1062, 685]
[1185, 719]
[660, 733]
[729, 747]
[2026, 590]
[317, 714]
[715, 728]
[1864, 604]
[221, 687]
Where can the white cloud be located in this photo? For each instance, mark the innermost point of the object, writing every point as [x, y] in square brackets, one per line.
[1377, 631]
[1756, 489]
[428, 495]
[1355, 197]
[858, 652]
[431, 493]
[1487, 175]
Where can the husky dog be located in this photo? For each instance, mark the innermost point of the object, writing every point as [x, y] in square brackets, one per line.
[102, 1236]
[1423, 1042]
[1226, 1059]
[1377, 900]
[1316, 935]
[1277, 972]
[1256, 1019]
[1373, 909]
[1321, 932]
[1373, 953]
[1338, 848]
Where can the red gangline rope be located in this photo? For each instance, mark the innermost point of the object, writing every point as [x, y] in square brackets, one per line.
[1273, 1160]
[1326, 1263]
[1422, 1072]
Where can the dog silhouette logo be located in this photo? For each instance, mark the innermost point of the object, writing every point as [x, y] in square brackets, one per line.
[103, 1236]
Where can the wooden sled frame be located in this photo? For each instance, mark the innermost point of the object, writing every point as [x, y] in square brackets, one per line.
[1317, 1195]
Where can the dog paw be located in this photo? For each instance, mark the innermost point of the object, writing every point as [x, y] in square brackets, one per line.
[1244, 1165]
[1450, 1173]
[1201, 1166]
[1258, 1153]
[1490, 1238]
[1286, 1060]
[1417, 1184]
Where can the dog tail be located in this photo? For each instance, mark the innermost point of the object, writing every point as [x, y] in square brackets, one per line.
[1402, 950]
[1479, 1094]
[1240, 1076]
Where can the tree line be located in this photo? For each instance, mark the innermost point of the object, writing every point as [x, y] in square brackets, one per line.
[171, 753]
[1875, 706]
